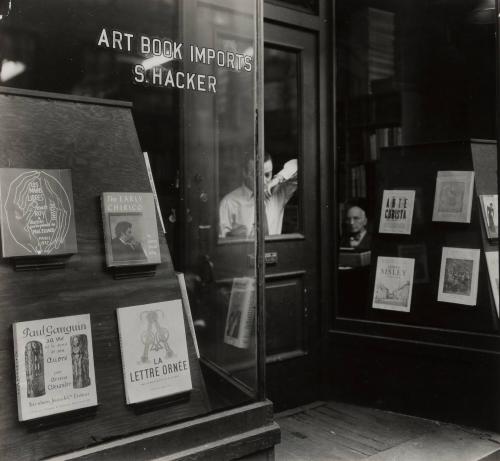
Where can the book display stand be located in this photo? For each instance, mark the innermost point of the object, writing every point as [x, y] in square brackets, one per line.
[416, 168]
[97, 141]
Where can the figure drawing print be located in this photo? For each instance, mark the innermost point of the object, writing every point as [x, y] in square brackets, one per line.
[459, 275]
[155, 336]
[489, 205]
[37, 212]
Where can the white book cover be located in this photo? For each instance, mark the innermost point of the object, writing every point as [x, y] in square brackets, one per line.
[458, 276]
[54, 366]
[239, 326]
[489, 205]
[154, 350]
[393, 283]
[453, 197]
[187, 309]
[396, 214]
[492, 262]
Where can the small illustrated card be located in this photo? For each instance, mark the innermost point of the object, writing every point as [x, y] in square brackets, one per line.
[37, 212]
[54, 366]
[453, 198]
[240, 327]
[489, 205]
[492, 262]
[458, 276]
[396, 214]
[154, 350]
[393, 284]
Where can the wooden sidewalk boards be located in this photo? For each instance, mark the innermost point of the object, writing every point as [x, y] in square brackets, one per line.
[330, 431]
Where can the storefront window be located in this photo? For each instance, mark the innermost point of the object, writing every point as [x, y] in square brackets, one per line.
[417, 182]
[162, 84]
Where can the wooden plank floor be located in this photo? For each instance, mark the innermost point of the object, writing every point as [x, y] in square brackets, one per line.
[330, 431]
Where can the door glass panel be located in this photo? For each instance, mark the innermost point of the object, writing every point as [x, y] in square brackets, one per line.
[282, 140]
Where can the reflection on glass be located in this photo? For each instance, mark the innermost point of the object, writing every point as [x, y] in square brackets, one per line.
[281, 119]
[237, 208]
[195, 131]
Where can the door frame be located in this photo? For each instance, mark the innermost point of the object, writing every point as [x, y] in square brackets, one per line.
[320, 23]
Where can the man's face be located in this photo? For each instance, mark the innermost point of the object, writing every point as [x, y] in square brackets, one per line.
[248, 174]
[356, 220]
[128, 236]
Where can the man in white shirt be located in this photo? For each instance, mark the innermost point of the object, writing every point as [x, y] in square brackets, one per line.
[237, 209]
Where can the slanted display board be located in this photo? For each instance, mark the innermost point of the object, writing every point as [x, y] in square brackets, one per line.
[448, 291]
[97, 141]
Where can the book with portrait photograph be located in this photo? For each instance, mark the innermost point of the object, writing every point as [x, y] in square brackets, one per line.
[453, 196]
[393, 284]
[458, 277]
[239, 327]
[154, 351]
[489, 205]
[492, 263]
[54, 366]
[130, 229]
[396, 214]
[37, 213]
[418, 252]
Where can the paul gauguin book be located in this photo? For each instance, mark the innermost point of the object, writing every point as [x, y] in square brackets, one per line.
[458, 276]
[393, 284]
[54, 366]
[37, 212]
[453, 197]
[130, 229]
[396, 215]
[154, 350]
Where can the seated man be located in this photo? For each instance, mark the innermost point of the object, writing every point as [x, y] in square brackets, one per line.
[124, 247]
[357, 237]
[237, 209]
